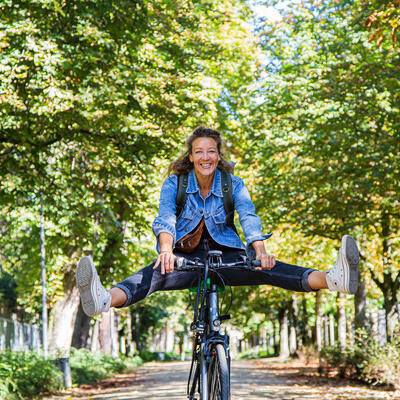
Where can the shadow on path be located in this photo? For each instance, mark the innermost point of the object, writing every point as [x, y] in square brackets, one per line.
[251, 380]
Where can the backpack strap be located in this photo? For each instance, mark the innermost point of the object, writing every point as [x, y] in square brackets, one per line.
[181, 196]
[226, 187]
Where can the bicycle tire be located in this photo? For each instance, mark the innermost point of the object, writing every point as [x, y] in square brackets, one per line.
[219, 377]
[194, 382]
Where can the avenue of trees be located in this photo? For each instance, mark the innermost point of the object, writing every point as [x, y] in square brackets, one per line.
[97, 96]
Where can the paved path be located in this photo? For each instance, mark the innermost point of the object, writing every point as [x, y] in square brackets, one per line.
[251, 380]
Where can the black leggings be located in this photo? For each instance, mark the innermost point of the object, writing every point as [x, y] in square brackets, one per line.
[147, 281]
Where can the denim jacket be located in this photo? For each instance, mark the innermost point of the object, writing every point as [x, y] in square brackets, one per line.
[211, 208]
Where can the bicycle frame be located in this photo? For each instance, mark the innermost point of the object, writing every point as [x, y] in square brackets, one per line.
[206, 326]
[210, 369]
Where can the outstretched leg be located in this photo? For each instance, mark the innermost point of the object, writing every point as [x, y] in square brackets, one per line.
[95, 299]
[118, 297]
[343, 277]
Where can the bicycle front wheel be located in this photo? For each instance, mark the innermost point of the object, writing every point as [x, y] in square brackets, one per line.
[218, 375]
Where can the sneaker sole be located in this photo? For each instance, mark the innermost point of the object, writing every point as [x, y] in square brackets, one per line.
[85, 281]
[352, 258]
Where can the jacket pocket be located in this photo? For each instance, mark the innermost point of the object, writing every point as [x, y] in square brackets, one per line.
[186, 218]
[219, 218]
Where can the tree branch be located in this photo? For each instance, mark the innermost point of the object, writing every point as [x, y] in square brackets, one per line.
[376, 279]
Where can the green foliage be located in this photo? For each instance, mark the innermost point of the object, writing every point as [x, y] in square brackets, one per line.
[88, 367]
[366, 361]
[96, 98]
[382, 18]
[322, 145]
[147, 356]
[4, 391]
[92, 112]
[330, 148]
[25, 375]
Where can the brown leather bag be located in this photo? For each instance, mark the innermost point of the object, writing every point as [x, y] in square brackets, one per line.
[188, 243]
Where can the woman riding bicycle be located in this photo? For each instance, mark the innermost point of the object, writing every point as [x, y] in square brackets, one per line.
[201, 226]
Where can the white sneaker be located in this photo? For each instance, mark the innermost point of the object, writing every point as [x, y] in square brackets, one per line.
[343, 277]
[95, 299]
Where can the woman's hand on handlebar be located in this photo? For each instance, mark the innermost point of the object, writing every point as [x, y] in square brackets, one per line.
[267, 261]
[166, 259]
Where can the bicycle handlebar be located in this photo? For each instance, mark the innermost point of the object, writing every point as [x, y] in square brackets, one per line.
[184, 264]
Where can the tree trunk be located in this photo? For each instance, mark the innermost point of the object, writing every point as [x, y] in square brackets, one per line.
[130, 345]
[170, 337]
[306, 331]
[360, 306]
[326, 330]
[122, 345]
[81, 336]
[382, 329]
[114, 333]
[284, 333]
[108, 333]
[299, 333]
[274, 341]
[390, 305]
[390, 285]
[318, 321]
[341, 320]
[162, 346]
[389, 288]
[105, 333]
[331, 330]
[138, 332]
[374, 325]
[94, 343]
[350, 334]
[62, 318]
[292, 340]
[293, 324]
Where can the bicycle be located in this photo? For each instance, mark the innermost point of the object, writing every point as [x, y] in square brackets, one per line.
[209, 374]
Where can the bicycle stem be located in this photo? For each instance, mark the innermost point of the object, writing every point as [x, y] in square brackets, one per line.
[213, 309]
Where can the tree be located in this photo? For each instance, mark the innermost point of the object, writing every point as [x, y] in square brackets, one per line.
[95, 97]
[382, 18]
[328, 153]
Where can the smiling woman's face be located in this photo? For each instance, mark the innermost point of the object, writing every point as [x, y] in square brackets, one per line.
[204, 156]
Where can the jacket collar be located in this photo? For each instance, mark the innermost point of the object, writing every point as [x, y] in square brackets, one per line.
[193, 185]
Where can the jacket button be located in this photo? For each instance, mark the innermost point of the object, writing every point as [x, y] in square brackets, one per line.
[201, 211]
[186, 229]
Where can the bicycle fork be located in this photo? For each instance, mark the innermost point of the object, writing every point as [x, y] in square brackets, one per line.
[212, 337]
[203, 373]
[212, 315]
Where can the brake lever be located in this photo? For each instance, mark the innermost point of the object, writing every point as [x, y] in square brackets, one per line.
[249, 262]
